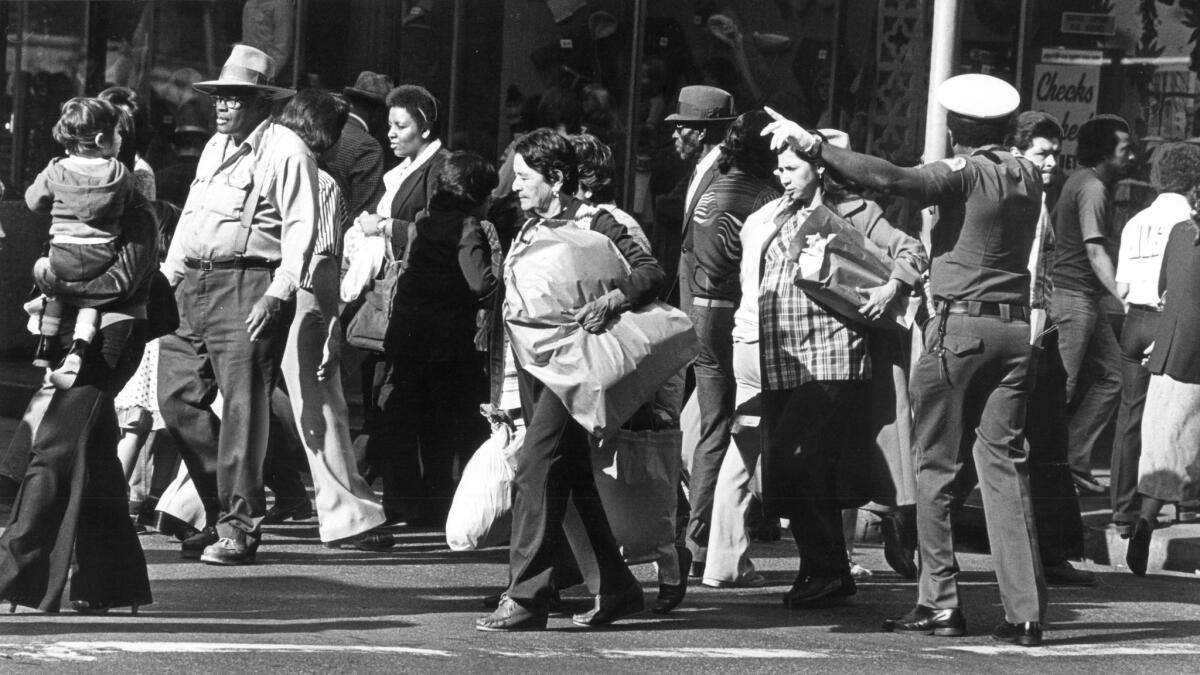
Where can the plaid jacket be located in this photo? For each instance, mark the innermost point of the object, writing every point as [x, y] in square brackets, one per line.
[800, 341]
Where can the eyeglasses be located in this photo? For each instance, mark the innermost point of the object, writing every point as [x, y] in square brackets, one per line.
[230, 102]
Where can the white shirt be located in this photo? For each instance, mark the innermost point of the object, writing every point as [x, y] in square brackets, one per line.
[1142, 244]
[393, 179]
[702, 167]
[758, 229]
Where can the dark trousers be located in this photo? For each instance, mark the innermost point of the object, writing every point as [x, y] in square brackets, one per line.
[430, 417]
[554, 465]
[806, 428]
[1137, 334]
[715, 389]
[970, 389]
[211, 350]
[285, 463]
[72, 506]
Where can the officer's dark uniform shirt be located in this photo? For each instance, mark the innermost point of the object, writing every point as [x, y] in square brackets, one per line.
[988, 207]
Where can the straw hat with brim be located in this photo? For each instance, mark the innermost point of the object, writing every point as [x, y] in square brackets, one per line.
[699, 103]
[369, 86]
[246, 68]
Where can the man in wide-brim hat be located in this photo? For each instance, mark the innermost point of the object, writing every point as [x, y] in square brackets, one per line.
[238, 255]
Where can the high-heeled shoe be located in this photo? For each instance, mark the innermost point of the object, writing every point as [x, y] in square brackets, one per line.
[94, 607]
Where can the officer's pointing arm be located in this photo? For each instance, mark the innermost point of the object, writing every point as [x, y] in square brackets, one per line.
[870, 172]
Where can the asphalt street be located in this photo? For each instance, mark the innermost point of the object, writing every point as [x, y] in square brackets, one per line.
[307, 609]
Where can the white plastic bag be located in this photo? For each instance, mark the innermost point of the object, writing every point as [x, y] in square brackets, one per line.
[481, 513]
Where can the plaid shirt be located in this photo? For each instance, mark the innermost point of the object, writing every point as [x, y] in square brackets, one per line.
[800, 341]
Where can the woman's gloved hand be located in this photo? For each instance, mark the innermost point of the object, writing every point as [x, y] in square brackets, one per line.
[595, 315]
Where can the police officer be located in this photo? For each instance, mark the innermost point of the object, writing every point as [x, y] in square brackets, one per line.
[970, 386]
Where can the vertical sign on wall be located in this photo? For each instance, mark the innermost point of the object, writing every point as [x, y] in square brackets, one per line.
[1069, 92]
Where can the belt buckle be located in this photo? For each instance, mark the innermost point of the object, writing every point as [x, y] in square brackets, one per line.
[206, 265]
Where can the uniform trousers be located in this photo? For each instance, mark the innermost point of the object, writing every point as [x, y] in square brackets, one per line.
[728, 541]
[72, 509]
[970, 388]
[211, 350]
[346, 505]
[715, 393]
[806, 429]
[553, 466]
[1137, 334]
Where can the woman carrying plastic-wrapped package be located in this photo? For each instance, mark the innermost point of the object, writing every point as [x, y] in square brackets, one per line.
[816, 369]
[554, 464]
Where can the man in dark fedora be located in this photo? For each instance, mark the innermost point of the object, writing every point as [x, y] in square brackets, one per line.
[701, 120]
[356, 160]
[239, 250]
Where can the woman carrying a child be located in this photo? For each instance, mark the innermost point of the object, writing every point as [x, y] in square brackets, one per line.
[72, 502]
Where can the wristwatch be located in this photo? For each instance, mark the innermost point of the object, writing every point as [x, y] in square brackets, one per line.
[813, 154]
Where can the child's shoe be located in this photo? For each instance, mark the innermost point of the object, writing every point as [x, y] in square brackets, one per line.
[63, 377]
[49, 351]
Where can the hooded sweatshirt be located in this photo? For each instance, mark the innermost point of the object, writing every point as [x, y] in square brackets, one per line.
[85, 197]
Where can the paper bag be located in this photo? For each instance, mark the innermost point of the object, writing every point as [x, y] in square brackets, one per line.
[834, 260]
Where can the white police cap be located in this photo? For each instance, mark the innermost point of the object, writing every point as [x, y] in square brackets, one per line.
[980, 96]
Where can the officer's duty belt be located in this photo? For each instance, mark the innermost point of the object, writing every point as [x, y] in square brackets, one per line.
[231, 264]
[1005, 311]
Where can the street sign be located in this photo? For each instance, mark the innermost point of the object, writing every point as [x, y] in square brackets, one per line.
[1086, 23]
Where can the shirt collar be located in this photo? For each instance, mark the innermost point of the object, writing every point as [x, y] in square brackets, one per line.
[361, 122]
[414, 163]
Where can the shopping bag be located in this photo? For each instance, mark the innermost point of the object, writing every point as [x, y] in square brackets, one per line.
[602, 379]
[481, 513]
[834, 260]
[636, 474]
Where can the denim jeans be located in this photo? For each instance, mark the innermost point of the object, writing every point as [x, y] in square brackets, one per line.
[1136, 336]
[1092, 359]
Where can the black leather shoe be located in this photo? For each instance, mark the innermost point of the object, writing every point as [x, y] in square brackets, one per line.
[294, 511]
[231, 551]
[1137, 556]
[670, 595]
[696, 568]
[929, 621]
[510, 617]
[812, 590]
[899, 542]
[193, 546]
[609, 608]
[1064, 574]
[1027, 634]
[372, 540]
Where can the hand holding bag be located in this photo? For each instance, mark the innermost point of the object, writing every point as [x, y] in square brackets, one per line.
[481, 513]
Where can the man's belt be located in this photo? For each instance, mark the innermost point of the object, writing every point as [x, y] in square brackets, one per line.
[241, 263]
[714, 302]
[1005, 311]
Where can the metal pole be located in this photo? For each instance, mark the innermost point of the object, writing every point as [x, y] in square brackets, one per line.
[941, 64]
[298, 40]
[944, 29]
[456, 38]
[1022, 45]
[834, 63]
[631, 126]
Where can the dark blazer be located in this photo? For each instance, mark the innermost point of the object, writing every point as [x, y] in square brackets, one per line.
[356, 163]
[1176, 350]
[412, 198]
[448, 279]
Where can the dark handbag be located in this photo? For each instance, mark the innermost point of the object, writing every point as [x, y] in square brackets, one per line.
[162, 314]
[370, 323]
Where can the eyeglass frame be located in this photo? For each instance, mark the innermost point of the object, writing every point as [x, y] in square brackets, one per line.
[231, 101]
